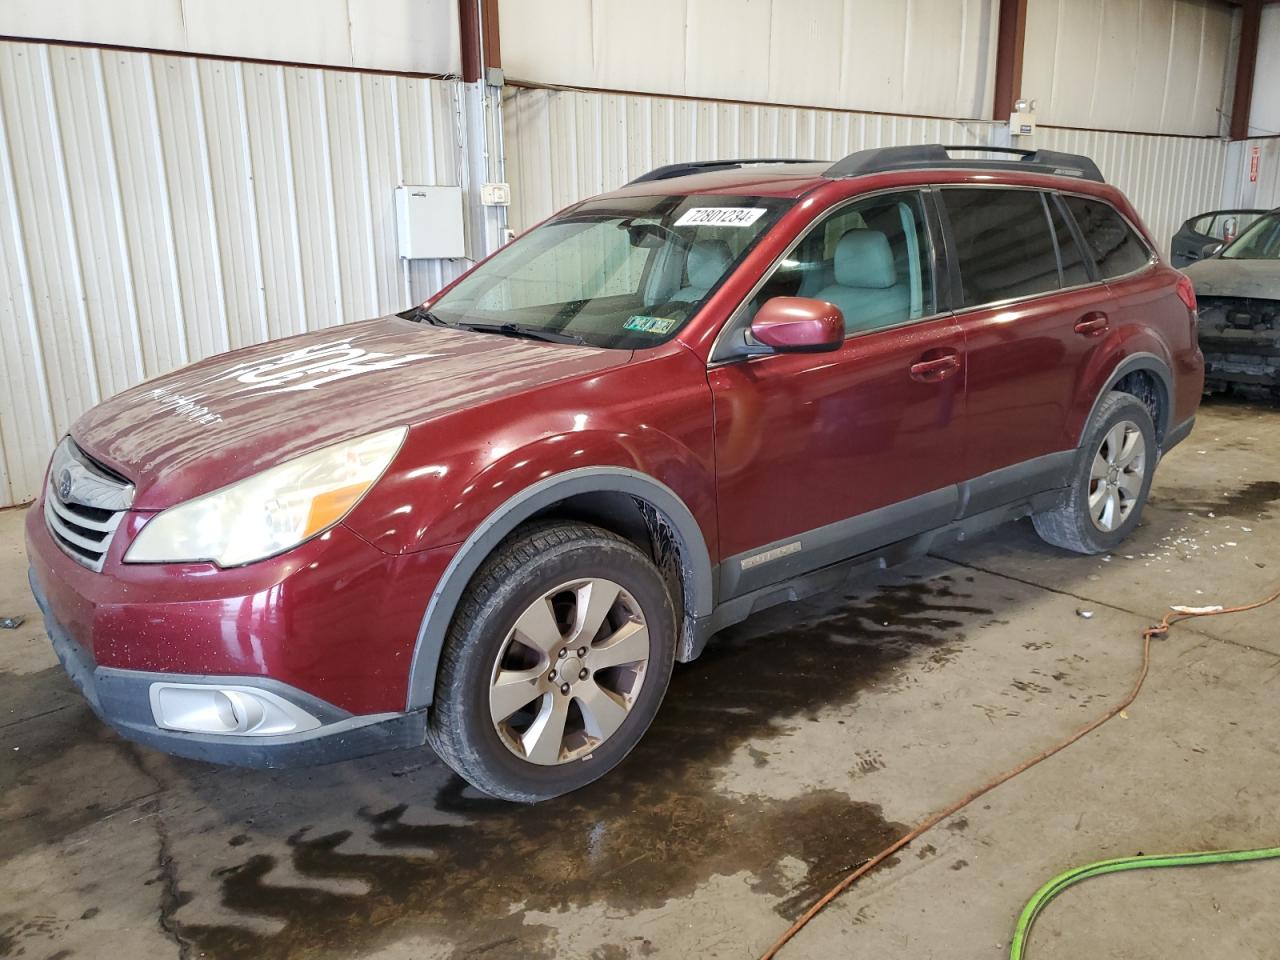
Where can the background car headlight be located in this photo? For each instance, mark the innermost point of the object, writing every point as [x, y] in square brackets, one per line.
[271, 511]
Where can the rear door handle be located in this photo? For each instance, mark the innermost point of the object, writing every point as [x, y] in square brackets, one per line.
[1092, 324]
[939, 368]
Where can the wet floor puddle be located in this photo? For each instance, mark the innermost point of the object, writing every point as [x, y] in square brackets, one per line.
[651, 831]
[1253, 500]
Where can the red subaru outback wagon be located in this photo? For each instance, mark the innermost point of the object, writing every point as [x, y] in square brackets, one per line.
[493, 523]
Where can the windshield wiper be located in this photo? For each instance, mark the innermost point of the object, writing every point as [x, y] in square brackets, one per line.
[527, 333]
[420, 314]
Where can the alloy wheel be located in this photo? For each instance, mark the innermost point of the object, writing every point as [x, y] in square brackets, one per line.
[569, 671]
[1116, 476]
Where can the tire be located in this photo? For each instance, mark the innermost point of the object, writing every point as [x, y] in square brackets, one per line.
[1073, 524]
[501, 640]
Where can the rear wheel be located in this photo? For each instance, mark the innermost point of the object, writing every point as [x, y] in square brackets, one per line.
[1112, 478]
[555, 664]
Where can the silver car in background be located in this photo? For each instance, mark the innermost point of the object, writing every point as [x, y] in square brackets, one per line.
[1238, 292]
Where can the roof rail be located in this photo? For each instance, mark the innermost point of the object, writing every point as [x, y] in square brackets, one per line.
[704, 166]
[883, 159]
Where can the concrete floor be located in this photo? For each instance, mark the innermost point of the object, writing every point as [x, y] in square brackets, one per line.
[802, 742]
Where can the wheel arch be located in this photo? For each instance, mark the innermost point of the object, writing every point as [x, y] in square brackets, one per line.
[1162, 377]
[590, 485]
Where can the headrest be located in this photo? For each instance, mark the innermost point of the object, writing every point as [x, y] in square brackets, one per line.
[863, 259]
[708, 260]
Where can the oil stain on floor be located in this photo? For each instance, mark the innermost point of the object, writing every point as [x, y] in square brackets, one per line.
[651, 831]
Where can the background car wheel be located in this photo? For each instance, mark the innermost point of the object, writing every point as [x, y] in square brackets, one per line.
[555, 664]
[1112, 477]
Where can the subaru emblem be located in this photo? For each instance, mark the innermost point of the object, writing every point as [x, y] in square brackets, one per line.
[64, 485]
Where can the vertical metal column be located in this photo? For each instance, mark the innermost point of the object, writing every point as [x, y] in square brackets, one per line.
[481, 115]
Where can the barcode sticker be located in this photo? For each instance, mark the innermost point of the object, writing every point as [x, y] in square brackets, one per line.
[720, 217]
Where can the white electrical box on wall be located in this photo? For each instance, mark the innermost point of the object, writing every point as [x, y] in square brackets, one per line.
[429, 223]
[1022, 122]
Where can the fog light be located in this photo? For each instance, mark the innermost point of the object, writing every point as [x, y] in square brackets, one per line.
[230, 710]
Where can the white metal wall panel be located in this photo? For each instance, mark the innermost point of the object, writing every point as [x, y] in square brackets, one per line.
[155, 210]
[1237, 189]
[419, 36]
[566, 145]
[1168, 179]
[919, 56]
[180, 128]
[1158, 66]
[1264, 118]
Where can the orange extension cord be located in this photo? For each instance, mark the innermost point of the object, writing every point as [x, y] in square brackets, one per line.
[1159, 630]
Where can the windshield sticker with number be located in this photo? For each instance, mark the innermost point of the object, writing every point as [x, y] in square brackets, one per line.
[720, 216]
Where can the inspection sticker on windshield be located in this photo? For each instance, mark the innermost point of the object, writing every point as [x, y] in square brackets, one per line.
[643, 324]
[720, 216]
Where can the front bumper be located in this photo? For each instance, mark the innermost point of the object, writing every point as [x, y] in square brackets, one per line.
[335, 617]
[121, 698]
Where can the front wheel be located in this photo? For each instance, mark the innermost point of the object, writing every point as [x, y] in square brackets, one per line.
[1112, 478]
[555, 664]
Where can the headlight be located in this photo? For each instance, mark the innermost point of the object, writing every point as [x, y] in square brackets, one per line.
[271, 511]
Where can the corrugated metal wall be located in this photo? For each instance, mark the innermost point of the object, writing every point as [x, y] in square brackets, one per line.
[413, 36]
[1159, 66]
[155, 210]
[1238, 190]
[908, 56]
[566, 145]
[563, 146]
[1167, 178]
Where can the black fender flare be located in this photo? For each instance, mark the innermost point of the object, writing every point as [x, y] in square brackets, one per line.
[1150, 363]
[696, 560]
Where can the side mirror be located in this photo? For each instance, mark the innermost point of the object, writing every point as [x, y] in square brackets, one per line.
[799, 325]
[1211, 249]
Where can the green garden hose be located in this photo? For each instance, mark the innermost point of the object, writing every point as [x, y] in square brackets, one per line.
[1076, 874]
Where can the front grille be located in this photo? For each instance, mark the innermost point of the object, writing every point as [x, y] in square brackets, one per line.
[84, 503]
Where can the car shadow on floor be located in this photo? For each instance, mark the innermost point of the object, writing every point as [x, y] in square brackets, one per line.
[426, 850]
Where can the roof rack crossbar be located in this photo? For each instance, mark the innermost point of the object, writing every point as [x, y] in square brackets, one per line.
[704, 166]
[884, 159]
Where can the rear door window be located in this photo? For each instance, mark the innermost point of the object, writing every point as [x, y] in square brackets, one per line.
[1114, 246]
[1003, 243]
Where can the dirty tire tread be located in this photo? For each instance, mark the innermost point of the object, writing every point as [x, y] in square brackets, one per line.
[526, 549]
[1068, 525]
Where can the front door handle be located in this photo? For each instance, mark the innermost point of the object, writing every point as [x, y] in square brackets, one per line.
[939, 368]
[1092, 324]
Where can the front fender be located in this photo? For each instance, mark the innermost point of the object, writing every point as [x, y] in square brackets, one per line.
[534, 498]
[644, 450]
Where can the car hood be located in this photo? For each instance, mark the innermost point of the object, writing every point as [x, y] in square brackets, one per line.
[228, 417]
[1217, 277]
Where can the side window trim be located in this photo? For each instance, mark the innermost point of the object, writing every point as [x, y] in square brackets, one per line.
[1090, 266]
[738, 318]
[954, 287]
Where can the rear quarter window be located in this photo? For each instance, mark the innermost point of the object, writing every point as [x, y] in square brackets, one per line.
[1111, 242]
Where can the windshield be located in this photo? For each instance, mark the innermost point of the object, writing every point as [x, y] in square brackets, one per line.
[621, 273]
[1260, 242]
